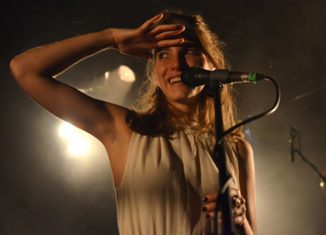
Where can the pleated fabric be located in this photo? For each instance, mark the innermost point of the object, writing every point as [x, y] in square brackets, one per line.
[163, 185]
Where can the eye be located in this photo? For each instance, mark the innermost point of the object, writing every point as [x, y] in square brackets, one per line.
[162, 55]
[193, 51]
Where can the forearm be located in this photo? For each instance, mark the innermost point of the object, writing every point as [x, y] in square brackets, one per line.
[52, 59]
[247, 185]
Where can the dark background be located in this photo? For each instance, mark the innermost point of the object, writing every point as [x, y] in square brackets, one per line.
[44, 191]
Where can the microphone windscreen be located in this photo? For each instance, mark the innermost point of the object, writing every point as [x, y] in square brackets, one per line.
[193, 77]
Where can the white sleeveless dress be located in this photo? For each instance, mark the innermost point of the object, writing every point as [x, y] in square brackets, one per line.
[163, 185]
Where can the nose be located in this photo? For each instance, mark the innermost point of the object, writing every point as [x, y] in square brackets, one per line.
[178, 62]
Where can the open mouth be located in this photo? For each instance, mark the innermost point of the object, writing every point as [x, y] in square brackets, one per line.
[175, 80]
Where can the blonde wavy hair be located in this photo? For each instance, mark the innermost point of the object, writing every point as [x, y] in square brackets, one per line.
[151, 114]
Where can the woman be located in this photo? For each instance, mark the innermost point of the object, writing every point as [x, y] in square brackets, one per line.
[160, 153]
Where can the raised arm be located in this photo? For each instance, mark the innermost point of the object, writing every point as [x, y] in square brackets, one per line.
[35, 70]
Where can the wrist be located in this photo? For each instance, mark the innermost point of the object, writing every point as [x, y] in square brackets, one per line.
[109, 35]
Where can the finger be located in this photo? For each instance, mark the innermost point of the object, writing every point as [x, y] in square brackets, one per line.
[210, 207]
[166, 27]
[239, 211]
[234, 191]
[210, 215]
[210, 197]
[170, 42]
[167, 35]
[148, 24]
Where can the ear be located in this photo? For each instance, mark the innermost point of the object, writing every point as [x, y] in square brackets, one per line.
[210, 67]
[209, 64]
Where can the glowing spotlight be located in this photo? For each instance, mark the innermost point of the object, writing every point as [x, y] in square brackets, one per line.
[67, 131]
[322, 184]
[126, 74]
[112, 86]
[78, 147]
[78, 142]
[107, 75]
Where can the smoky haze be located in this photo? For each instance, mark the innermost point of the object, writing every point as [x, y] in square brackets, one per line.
[43, 190]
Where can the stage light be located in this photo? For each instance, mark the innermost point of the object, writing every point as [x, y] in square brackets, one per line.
[126, 74]
[107, 75]
[78, 146]
[78, 142]
[66, 130]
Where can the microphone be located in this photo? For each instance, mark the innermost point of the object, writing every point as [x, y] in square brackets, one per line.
[193, 77]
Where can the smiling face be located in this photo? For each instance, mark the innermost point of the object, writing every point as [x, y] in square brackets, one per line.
[169, 64]
[165, 68]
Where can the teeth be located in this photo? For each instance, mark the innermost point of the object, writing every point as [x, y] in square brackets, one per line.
[174, 80]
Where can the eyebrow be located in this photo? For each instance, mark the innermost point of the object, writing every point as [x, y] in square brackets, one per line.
[186, 46]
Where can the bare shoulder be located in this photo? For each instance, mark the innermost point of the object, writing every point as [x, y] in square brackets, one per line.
[244, 149]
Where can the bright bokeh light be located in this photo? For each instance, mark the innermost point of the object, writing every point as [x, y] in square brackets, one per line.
[67, 131]
[126, 74]
[107, 75]
[78, 142]
[78, 147]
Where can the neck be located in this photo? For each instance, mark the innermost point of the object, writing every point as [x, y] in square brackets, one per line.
[187, 107]
[181, 108]
[183, 114]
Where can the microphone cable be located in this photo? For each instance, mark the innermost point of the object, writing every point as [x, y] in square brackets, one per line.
[260, 115]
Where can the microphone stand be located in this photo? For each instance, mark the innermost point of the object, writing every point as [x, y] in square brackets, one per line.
[223, 202]
[214, 82]
[296, 140]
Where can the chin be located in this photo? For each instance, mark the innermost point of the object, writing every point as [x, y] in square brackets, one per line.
[184, 98]
[183, 94]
